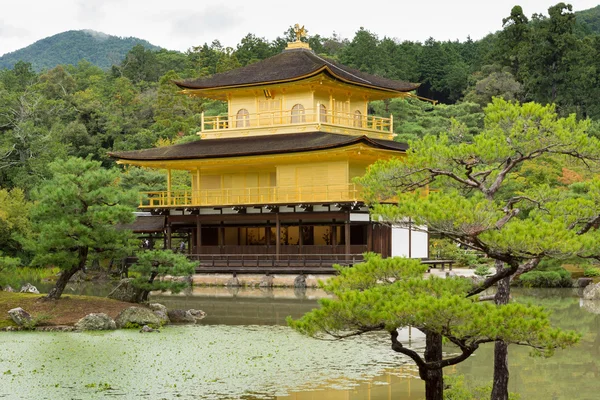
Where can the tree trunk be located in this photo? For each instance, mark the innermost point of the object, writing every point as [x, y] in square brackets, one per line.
[434, 378]
[144, 294]
[500, 388]
[65, 275]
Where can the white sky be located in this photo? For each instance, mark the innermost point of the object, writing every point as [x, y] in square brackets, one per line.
[181, 24]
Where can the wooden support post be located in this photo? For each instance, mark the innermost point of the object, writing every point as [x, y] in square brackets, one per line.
[168, 237]
[198, 235]
[347, 237]
[222, 237]
[268, 237]
[300, 238]
[333, 238]
[277, 236]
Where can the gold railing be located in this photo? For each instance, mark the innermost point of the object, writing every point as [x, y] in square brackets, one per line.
[251, 196]
[289, 117]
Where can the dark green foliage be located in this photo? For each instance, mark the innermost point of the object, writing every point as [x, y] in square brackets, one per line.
[589, 271]
[548, 274]
[589, 20]
[545, 279]
[73, 46]
[153, 266]
[75, 217]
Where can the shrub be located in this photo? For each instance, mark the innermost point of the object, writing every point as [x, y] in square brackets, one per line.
[591, 272]
[482, 270]
[545, 279]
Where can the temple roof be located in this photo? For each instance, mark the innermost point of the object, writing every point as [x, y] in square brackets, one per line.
[256, 145]
[293, 65]
[145, 224]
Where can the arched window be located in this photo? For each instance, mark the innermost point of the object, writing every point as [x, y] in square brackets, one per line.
[298, 114]
[322, 113]
[357, 119]
[242, 118]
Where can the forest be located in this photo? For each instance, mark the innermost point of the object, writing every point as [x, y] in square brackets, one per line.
[85, 111]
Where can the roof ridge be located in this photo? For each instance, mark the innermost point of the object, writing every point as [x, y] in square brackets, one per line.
[341, 69]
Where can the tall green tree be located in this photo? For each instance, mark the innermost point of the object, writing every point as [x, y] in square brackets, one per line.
[75, 217]
[480, 203]
[389, 294]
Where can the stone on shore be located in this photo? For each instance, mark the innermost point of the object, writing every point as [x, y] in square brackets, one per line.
[161, 312]
[96, 322]
[592, 292]
[266, 281]
[136, 317]
[186, 316]
[9, 288]
[300, 281]
[147, 329]
[20, 316]
[29, 288]
[584, 282]
[233, 282]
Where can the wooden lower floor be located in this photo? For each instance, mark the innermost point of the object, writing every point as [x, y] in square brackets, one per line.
[275, 242]
[277, 234]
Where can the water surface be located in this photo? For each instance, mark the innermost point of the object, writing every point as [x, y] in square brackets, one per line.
[243, 350]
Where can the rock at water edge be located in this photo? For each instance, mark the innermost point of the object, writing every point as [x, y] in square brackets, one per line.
[136, 317]
[20, 316]
[266, 281]
[300, 282]
[592, 292]
[96, 322]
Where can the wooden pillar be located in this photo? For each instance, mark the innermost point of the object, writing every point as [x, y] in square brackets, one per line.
[370, 237]
[300, 238]
[347, 237]
[221, 238]
[333, 238]
[198, 235]
[277, 236]
[268, 237]
[168, 237]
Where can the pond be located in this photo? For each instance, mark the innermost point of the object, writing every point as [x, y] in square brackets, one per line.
[244, 350]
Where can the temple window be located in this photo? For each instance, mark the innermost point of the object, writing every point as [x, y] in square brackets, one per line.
[298, 114]
[357, 119]
[242, 118]
[322, 113]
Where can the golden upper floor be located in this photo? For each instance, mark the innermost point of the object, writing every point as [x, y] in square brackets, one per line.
[296, 91]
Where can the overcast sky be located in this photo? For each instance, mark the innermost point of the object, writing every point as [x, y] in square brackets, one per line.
[181, 24]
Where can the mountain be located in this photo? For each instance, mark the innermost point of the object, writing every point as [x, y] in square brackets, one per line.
[72, 46]
[590, 19]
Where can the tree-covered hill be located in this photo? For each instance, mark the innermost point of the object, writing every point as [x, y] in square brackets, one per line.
[70, 47]
[590, 19]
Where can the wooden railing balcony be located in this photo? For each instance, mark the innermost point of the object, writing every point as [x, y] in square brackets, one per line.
[251, 196]
[271, 119]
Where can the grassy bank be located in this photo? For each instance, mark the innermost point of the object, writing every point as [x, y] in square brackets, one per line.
[66, 311]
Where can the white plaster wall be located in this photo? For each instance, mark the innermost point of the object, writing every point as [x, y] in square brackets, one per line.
[400, 243]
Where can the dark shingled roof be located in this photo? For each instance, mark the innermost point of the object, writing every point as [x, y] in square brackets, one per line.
[146, 224]
[293, 65]
[256, 145]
